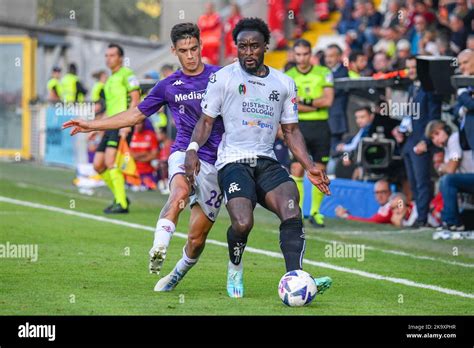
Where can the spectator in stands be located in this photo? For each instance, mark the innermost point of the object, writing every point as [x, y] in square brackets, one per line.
[211, 31]
[72, 89]
[416, 33]
[54, 85]
[458, 35]
[457, 172]
[403, 52]
[144, 149]
[381, 63]
[357, 64]
[382, 192]
[470, 42]
[231, 22]
[425, 106]
[337, 111]
[469, 19]
[427, 44]
[421, 9]
[387, 42]
[276, 22]
[391, 16]
[164, 150]
[371, 26]
[346, 22]
[442, 43]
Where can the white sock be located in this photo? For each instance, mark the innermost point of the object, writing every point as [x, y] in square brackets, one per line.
[163, 232]
[185, 263]
[238, 267]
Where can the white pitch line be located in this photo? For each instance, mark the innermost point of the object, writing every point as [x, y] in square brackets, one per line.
[249, 249]
[393, 252]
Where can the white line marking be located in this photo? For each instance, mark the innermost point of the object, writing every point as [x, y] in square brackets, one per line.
[249, 249]
[388, 251]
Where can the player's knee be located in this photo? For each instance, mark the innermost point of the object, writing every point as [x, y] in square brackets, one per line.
[99, 167]
[297, 170]
[179, 198]
[242, 225]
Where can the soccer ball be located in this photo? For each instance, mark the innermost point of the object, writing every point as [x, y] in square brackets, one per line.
[297, 288]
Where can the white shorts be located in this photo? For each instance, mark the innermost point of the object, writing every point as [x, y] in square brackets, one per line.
[206, 191]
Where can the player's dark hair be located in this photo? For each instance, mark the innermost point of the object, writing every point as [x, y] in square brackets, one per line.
[184, 31]
[252, 24]
[354, 54]
[302, 42]
[118, 47]
[339, 49]
[365, 108]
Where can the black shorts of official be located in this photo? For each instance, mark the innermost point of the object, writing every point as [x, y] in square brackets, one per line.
[111, 138]
[252, 180]
[317, 137]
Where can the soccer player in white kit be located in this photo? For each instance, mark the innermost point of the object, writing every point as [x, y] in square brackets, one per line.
[254, 100]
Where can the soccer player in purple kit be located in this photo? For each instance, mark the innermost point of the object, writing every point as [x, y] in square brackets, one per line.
[182, 91]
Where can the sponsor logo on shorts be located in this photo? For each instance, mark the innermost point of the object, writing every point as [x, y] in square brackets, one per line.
[234, 187]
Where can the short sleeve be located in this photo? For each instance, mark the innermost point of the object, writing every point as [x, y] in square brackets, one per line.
[328, 79]
[213, 99]
[289, 112]
[154, 100]
[453, 148]
[131, 81]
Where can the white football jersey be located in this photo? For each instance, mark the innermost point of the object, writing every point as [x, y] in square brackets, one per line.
[252, 108]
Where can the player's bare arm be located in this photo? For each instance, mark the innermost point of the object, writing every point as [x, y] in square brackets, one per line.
[134, 101]
[127, 118]
[297, 146]
[326, 100]
[201, 133]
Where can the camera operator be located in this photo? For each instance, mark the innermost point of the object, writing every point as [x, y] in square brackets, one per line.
[410, 134]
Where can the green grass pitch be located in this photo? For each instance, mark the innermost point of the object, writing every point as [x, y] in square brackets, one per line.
[89, 267]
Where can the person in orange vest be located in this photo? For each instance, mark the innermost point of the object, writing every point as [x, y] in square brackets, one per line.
[232, 20]
[211, 30]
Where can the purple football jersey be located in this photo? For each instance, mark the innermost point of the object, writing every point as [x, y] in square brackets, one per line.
[183, 94]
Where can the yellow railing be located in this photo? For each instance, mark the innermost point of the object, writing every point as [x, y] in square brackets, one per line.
[28, 63]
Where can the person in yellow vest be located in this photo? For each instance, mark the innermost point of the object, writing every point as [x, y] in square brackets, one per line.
[54, 85]
[122, 91]
[72, 89]
[315, 96]
[98, 93]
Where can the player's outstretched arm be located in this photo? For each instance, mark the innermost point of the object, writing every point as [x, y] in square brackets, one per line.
[127, 118]
[297, 146]
[201, 133]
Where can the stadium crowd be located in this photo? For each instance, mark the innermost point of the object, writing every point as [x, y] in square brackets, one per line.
[432, 162]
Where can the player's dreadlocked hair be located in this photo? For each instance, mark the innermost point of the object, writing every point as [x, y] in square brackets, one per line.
[252, 24]
[184, 31]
